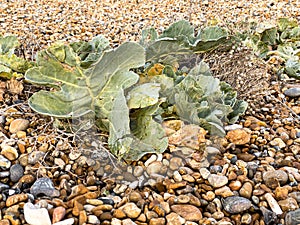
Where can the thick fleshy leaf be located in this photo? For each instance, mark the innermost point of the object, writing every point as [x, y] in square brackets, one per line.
[79, 90]
[149, 135]
[143, 95]
[120, 138]
[8, 44]
[164, 48]
[285, 23]
[90, 52]
[209, 38]
[179, 29]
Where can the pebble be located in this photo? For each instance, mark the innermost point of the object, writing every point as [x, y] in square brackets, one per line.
[18, 125]
[275, 178]
[14, 199]
[9, 152]
[65, 222]
[268, 216]
[204, 173]
[238, 136]
[292, 217]
[273, 204]
[236, 204]
[138, 171]
[44, 186]
[188, 212]
[292, 92]
[224, 192]
[289, 204]
[246, 190]
[154, 168]
[246, 218]
[174, 219]
[92, 219]
[176, 163]
[36, 216]
[217, 180]
[58, 214]
[4, 162]
[131, 210]
[16, 171]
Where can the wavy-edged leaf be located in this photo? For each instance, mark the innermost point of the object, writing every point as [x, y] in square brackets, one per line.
[120, 138]
[209, 38]
[79, 91]
[90, 52]
[179, 29]
[143, 95]
[164, 48]
[149, 135]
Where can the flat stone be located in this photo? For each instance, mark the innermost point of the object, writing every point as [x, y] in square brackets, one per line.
[128, 222]
[292, 217]
[131, 210]
[44, 186]
[58, 214]
[188, 212]
[273, 204]
[18, 125]
[292, 92]
[16, 171]
[246, 190]
[35, 215]
[239, 136]
[275, 178]
[217, 180]
[278, 142]
[268, 216]
[236, 204]
[289, 204]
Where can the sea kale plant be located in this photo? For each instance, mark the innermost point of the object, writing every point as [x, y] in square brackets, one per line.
[131, 89]
[280, 42]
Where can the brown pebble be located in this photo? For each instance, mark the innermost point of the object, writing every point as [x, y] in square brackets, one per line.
[11, 200]
[118, 213]
[157, 221]
[58, 214]
[188, 212]
[18, 125]
[82, 218]
[246, 190]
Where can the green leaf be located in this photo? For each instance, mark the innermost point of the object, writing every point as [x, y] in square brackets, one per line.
[120, 138]
[270, 36]
[292, 68]
[79, 91]
[209, 38]
[285, 23]
[149, 135]
[143, 95]
[179, 29]
[90, 52]
[8, 44]
[162, 49]
[148, 33]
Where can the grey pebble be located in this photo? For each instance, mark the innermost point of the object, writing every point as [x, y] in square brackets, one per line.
[292, 92]
[3, 187]
[293, 217]
[44, 186]
[16, 172]
[236, 204]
